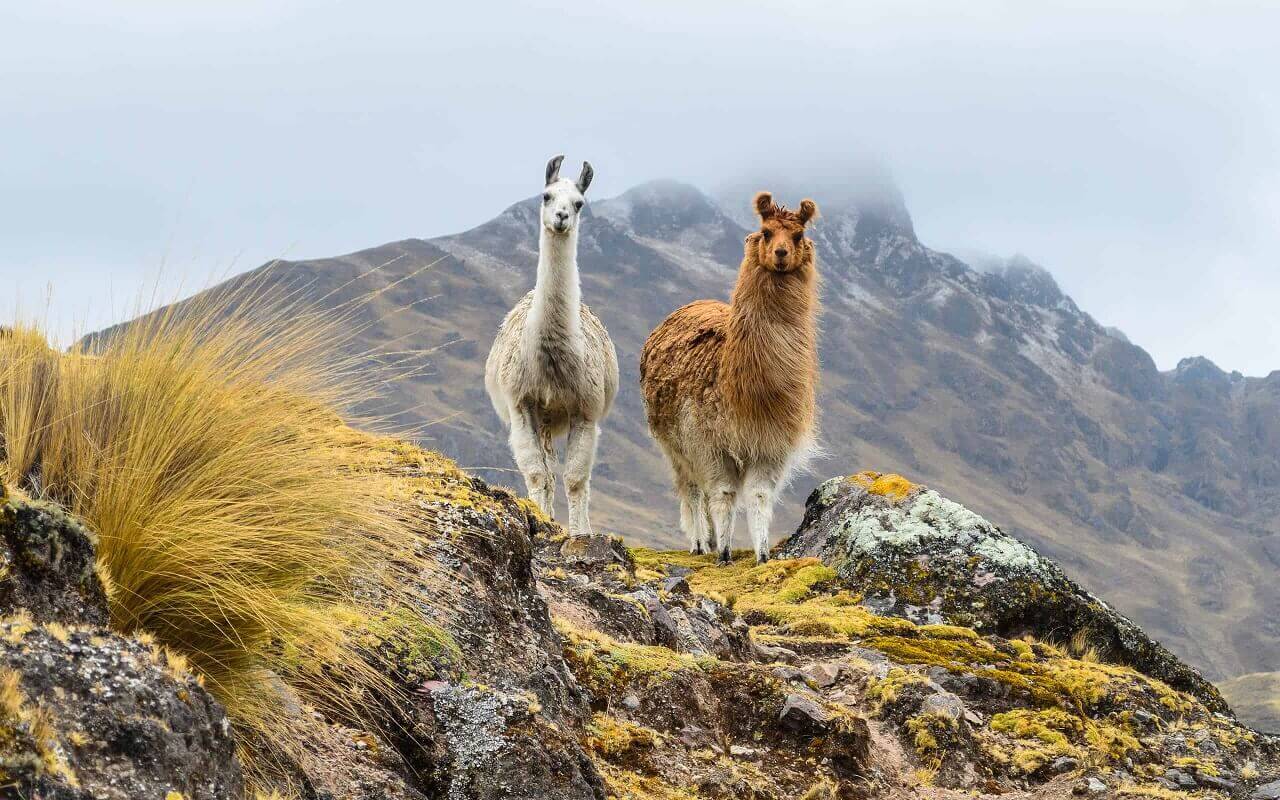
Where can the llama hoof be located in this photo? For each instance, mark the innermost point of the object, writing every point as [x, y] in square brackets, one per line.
[696, 549]
[761, 558]
[726, 558]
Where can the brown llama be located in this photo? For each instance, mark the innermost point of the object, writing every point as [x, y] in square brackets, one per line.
[730, 390]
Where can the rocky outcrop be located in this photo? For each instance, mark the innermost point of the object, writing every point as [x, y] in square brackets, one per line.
[914, 554]
[896, 648]
[47, 565]
[495, 711]
[86, 714]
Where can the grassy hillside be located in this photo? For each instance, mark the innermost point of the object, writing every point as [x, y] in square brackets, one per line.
[1256, 699]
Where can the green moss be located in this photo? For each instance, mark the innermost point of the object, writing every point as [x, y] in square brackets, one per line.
[416, 645]
[623, 784]
[606, 665]
[617, 739]
[884, 692]
[789, 597]
[1039, 736]
[930, 734]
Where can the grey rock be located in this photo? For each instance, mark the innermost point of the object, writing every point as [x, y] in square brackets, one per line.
[1063, 765]
[149, 730]
[804, 715]
[823, 674]
[977, 576]
[770, 653]
[944, 704]
[1215, 782]
[1182, 779]
[676, 584]
[47, 564]
[595, 550]
[1090, 787]
[1267, 791]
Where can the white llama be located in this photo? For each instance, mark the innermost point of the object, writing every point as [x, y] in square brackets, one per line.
[553, 368]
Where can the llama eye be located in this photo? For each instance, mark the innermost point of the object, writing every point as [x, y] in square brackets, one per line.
[797, 238]
[546, 198]
[577, 206]
[767, 235]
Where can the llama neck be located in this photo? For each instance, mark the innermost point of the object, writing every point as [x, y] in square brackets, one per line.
[557, 295]
[770, 359]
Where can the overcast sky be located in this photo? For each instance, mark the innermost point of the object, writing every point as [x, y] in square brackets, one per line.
[1132, 151]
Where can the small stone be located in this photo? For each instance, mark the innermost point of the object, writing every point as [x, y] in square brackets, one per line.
[1064, 765]
[1091, 787]
[676, 584]
[944, 704]
[788, 674]
[1145, 718]
[738, 751]
[804, 715]
[1267, 791]
[770, 654]
[822, 675]
[631, 702]
[1216, 782]
[596, 549]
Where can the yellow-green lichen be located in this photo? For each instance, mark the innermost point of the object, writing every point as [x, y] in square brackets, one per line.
[891, 486]
[793, 597]
[617, 739]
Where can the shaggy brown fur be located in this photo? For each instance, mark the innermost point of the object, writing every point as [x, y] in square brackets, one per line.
[730, 389]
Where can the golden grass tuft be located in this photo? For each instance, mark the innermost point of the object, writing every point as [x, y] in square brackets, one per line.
[236, 513]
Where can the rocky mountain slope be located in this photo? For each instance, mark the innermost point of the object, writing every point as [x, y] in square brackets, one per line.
[579, 669]
[1158, 490]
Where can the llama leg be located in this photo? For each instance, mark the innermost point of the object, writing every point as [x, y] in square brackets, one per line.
[531, 458]
[760, 488]
[579, 455]
[693, 518]
[721, 503]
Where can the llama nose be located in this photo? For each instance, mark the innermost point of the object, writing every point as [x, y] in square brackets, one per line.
[781, 252]
[562, 215]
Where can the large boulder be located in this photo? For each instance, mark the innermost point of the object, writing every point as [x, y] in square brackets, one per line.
[88, 715]
[912, 553]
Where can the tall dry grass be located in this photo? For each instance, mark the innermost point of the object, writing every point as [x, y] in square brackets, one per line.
[235, 516]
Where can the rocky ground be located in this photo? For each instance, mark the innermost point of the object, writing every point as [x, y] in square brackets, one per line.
[898, 646]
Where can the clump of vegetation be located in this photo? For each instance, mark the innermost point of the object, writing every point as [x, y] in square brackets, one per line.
[27, 733]
[1040, 736]
[235, 512]
[795, 597]
[617, 739]
[890, 485]
[602, 663]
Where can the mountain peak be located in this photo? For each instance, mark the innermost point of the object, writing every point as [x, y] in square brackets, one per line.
[1019, 278]
[659, 206]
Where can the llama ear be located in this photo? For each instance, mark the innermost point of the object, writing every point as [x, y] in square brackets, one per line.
[584, 180]
[808, 210]
[764, 205]
[553, 169]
